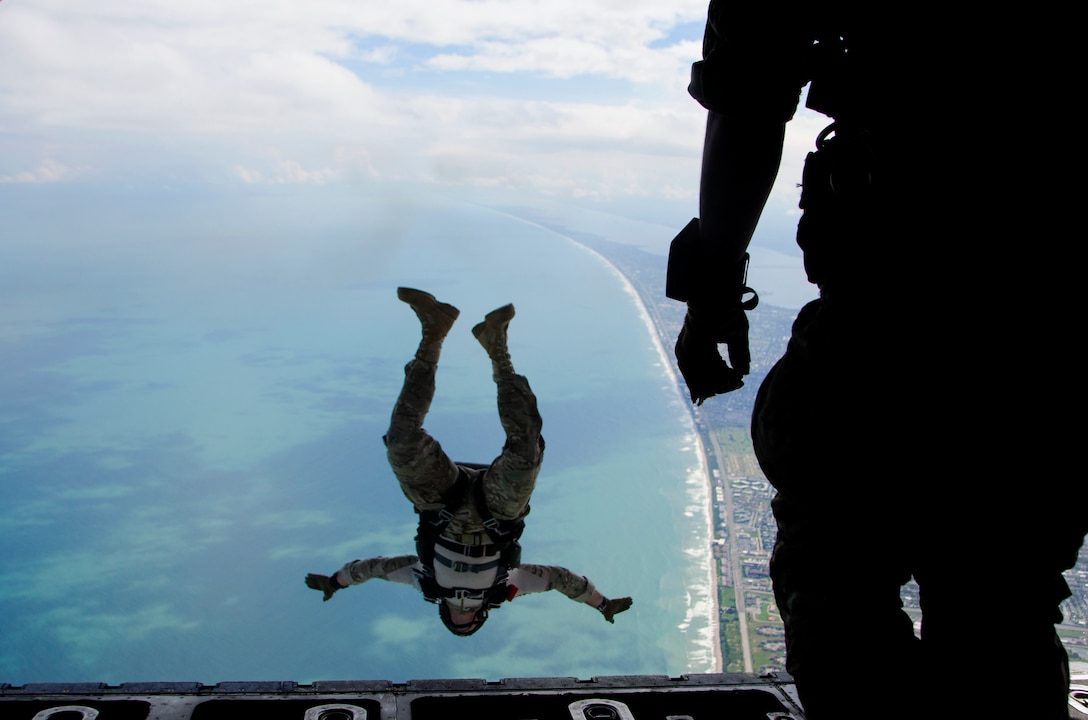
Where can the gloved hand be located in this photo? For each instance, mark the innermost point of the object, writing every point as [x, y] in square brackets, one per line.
[611, 608]
[698, 358]
[323, 583]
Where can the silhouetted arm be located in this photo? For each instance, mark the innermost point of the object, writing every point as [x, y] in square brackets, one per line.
[749, 81]
[740, 163]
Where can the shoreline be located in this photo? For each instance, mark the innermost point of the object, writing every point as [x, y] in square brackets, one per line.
[705, 488]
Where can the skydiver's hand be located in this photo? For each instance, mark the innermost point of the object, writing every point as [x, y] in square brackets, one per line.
[323, 583]
[611, 608]
[699, 359]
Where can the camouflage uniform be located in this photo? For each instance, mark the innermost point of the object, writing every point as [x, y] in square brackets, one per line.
[525, 579]
[468, 559]
[428, 476]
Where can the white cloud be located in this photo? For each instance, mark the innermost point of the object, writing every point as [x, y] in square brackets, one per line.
[48, 171]
[284, 172]
[394, 630]
[88, 633]
[564, 97]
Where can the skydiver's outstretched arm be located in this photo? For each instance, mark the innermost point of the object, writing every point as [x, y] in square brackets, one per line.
[540, 578]
[357, 572]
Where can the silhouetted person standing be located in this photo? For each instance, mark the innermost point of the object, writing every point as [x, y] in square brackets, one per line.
[471, 516]
[909, 427]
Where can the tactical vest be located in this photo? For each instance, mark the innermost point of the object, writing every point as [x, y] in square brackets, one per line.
[504, 548]
[842, 177]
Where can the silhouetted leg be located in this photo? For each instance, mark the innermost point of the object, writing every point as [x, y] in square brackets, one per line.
[991, 590]
[837, 583]
[823, 438]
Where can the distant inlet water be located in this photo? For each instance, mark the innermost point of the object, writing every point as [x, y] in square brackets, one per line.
[195, 391]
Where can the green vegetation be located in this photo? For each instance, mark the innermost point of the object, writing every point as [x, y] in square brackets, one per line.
[729, 631]
[762, 656]
[765, 633]
[735, 440]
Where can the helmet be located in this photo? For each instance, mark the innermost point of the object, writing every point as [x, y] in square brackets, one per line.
[463, 629]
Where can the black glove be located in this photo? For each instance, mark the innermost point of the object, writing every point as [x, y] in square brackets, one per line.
[717, 296]
[324, 583]
[611, 608]
[697, 355]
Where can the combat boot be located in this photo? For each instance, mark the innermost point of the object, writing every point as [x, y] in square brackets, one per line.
[435, 317]
[491, 333]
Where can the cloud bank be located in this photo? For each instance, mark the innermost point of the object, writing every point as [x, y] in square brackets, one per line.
[570, 98]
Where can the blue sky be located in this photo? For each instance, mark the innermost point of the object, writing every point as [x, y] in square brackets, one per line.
[583, 101]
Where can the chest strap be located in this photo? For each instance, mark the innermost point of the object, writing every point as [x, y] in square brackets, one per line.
[458, 566]
[473, 550]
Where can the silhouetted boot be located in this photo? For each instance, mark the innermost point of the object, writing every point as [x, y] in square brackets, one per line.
[435, 317]
[491, 333]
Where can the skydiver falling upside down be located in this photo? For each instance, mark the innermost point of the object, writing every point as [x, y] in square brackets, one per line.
[471, 516]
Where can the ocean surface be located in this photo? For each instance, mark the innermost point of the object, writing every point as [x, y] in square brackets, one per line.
[192, 399]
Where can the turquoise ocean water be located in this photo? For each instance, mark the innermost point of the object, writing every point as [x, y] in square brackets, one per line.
[193, 396]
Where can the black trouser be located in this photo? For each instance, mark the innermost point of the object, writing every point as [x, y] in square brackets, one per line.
[881, 475]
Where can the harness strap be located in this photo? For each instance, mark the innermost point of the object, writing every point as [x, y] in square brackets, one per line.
[473, 550]
[458, 566]
[434, 593]
[500, 539]
[435, 522]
